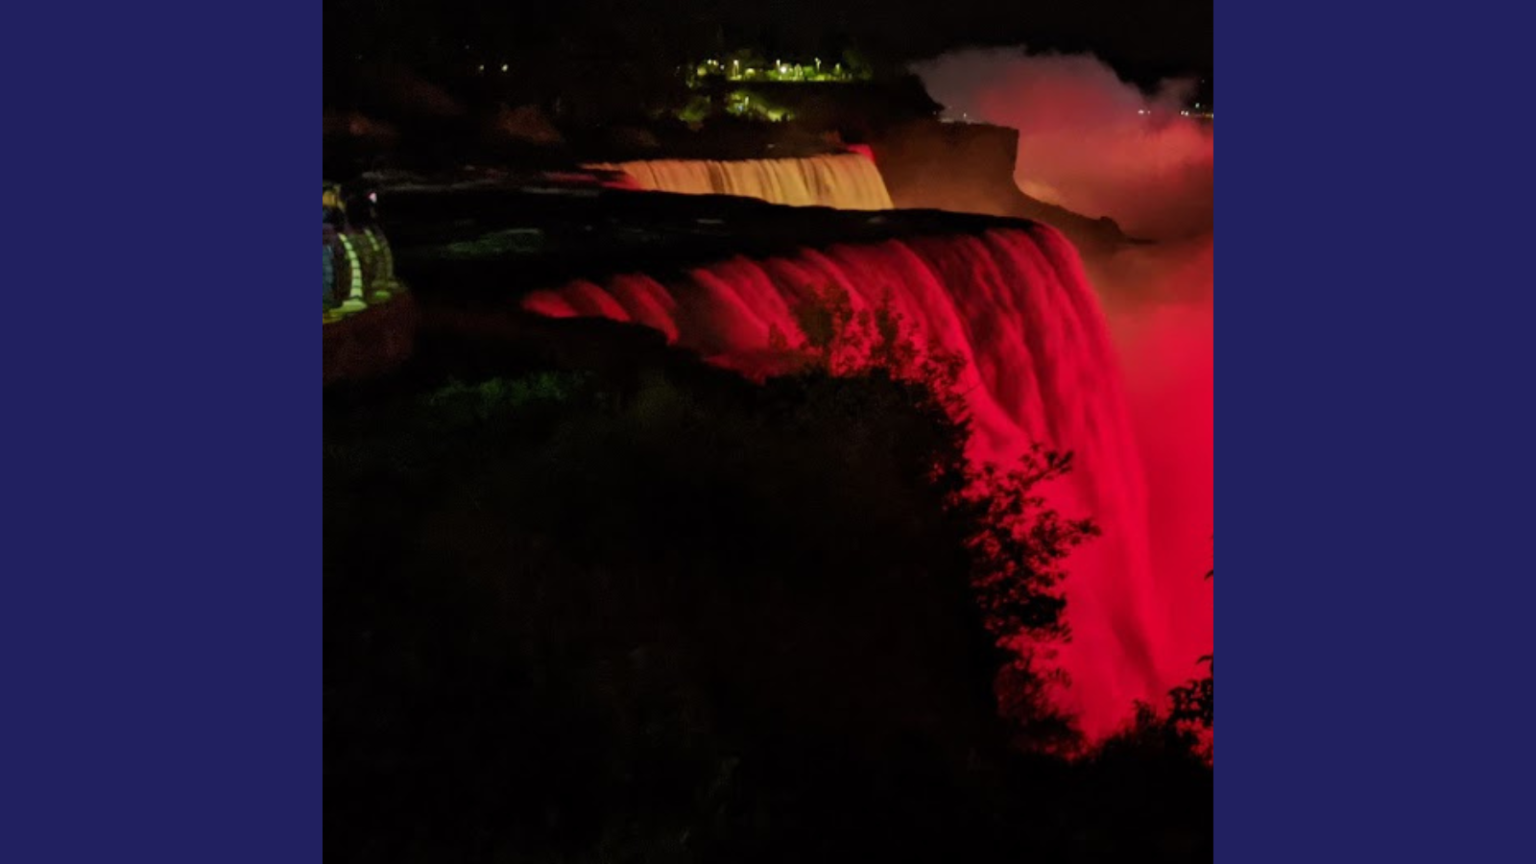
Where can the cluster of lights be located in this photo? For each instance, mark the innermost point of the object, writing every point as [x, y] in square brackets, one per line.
[778, 71]
[1205, 115]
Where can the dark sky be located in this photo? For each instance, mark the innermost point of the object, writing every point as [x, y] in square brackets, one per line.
[1148, 32]
[1139, 36]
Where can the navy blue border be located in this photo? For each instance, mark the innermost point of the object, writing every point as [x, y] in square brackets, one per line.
[160, 545]
[1374, 440]
[160, 621]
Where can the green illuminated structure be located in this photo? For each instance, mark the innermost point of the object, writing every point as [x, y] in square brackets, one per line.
[359, 268]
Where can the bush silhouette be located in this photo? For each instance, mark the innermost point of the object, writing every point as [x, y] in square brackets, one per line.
[681, 616]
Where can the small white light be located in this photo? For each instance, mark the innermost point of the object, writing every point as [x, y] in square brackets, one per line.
[505, 66]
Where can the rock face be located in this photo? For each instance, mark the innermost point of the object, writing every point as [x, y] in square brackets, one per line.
[969, 168]
[525, 124]
[370, 343]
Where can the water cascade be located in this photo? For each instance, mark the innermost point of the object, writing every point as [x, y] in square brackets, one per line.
[1039, 367]
[846, 181]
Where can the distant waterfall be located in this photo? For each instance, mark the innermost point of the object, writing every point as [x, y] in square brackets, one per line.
[846, 181]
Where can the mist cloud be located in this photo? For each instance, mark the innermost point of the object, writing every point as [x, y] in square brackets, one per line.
[1098, 146]
[1088, 141]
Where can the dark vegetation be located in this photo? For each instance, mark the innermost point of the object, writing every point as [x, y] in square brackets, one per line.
[647, 610]
[424, 88]
[1194, 703]
[436, 81]
[476, 120]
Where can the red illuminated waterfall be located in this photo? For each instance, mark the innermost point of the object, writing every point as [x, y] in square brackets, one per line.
[846, 181]
[1014, 303]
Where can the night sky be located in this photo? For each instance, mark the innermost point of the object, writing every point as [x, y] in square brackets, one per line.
[1142, 38]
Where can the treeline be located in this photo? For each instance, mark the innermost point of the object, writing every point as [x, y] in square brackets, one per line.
[661, 613]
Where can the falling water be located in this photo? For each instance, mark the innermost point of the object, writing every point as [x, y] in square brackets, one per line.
[847, 181]
[1015, 305]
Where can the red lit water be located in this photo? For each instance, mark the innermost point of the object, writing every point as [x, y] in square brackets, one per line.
[1015, 304]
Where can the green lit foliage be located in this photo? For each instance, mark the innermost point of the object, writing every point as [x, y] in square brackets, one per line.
[745, 66]
[742, 104]
[698, 109]
[855, 66]
[458, 405]
[493, 244]
[751, 105]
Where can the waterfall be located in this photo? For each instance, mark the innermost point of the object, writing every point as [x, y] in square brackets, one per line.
[846, 181]
[1039, 367]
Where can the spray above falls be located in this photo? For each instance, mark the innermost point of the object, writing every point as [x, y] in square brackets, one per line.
[1014, 305]
[1089, 141]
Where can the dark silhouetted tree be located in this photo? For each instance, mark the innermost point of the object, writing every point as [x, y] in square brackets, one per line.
[1195, 701]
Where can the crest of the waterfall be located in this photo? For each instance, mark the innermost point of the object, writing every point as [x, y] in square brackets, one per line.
[845, 181]
[1039, 367]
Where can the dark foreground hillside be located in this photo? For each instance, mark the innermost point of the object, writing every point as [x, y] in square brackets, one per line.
[663, 614]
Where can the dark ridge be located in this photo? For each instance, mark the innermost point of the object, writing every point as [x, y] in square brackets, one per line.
[490, 243]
